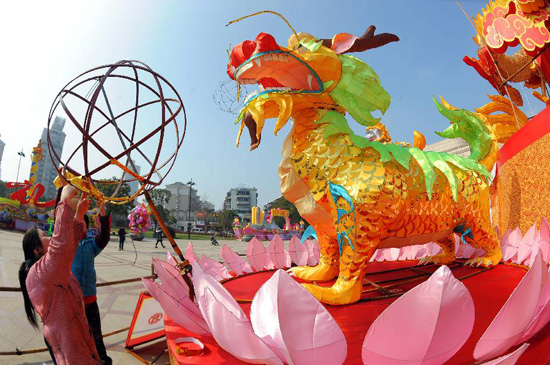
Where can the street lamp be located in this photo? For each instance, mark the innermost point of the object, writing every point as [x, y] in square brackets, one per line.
[21, 154]
[190, 183]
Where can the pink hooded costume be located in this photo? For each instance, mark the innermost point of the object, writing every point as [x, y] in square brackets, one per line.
[57, 296]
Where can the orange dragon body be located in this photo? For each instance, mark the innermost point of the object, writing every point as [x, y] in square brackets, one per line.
[357, 194]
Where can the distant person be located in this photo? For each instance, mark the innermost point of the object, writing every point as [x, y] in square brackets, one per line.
[50, 289]
[214, 241]
[84, 271]
[159, 237]
[121, 238]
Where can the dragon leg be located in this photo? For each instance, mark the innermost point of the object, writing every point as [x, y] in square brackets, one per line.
[327, 269]
[349, 286]
[447, 255]
[357, 248]
[483, 237]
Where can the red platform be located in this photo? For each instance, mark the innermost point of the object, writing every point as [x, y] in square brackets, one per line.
[489, 289]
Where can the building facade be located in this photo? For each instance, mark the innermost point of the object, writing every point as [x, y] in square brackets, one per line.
[241, 200]
[457, 146]
[134, 185]
[178, 205]
[2, 145]
[47, 172]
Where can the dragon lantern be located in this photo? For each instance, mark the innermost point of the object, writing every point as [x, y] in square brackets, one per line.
[362, 194]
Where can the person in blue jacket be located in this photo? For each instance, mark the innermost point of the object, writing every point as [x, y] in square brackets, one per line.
[84, 271]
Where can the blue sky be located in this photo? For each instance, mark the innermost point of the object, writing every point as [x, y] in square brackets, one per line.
[48, 43]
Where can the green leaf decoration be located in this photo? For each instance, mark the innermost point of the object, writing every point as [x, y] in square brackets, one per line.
[359, 91]
[424, 161]
[240, 117]
[327, 84]
[442, 166]
[312, 44]
[337, 124]
[466, 125]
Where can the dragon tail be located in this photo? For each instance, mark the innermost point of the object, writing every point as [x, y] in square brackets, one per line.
[482, 130]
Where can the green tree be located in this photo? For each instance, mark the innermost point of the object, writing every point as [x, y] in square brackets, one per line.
[119, 212]
[4, 191]
[282, 203]
[226, 218]
[159, 198]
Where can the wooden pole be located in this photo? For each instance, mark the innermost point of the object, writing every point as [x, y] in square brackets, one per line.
[184, 265]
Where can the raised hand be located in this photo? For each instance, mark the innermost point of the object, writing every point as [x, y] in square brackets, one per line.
[101, 206]
[82, 207]
[69, 193]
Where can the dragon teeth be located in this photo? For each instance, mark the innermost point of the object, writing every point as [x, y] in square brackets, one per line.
[243, 69]
[309, 81]
[258, 62]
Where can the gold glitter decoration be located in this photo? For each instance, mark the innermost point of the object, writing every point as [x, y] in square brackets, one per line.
[521, 197]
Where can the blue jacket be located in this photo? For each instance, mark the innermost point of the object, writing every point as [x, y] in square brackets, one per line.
[83, 263]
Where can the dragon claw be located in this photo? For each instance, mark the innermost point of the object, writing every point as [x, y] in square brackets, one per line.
[424, 261]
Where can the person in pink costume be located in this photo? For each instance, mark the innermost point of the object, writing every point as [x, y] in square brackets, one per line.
[49, 287]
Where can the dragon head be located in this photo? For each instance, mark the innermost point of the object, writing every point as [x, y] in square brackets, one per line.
[303, 75]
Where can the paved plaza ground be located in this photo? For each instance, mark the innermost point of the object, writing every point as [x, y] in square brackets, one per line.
[116, 303]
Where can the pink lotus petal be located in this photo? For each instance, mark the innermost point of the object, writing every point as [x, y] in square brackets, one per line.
[432, 248]
[170, 277]
[269, 263]
[405, 253]
[175, 286]
[374, 256]
[509, 359]
[542, 316]
[528, 241]
[422, 251]
[414, 251]
[176, 309]
[295, 325]
[171, 259]
[208, 268]
[297, 251]
[256, 254]
[545, 250]
[228, 323]
[288, 261]
[512, 245]
[514, 317]
[216, 267]
[234, 261]
[190, 254]
[504, 237]
[390, 254]
[465, 251]
[544, 239]
[381, 255]
[277, 251]
[541, 320]
[314, 253]
[427, 325]
[544, 230]
[478, 252]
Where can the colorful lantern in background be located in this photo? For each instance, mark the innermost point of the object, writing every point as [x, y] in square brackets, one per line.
[139, 219]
